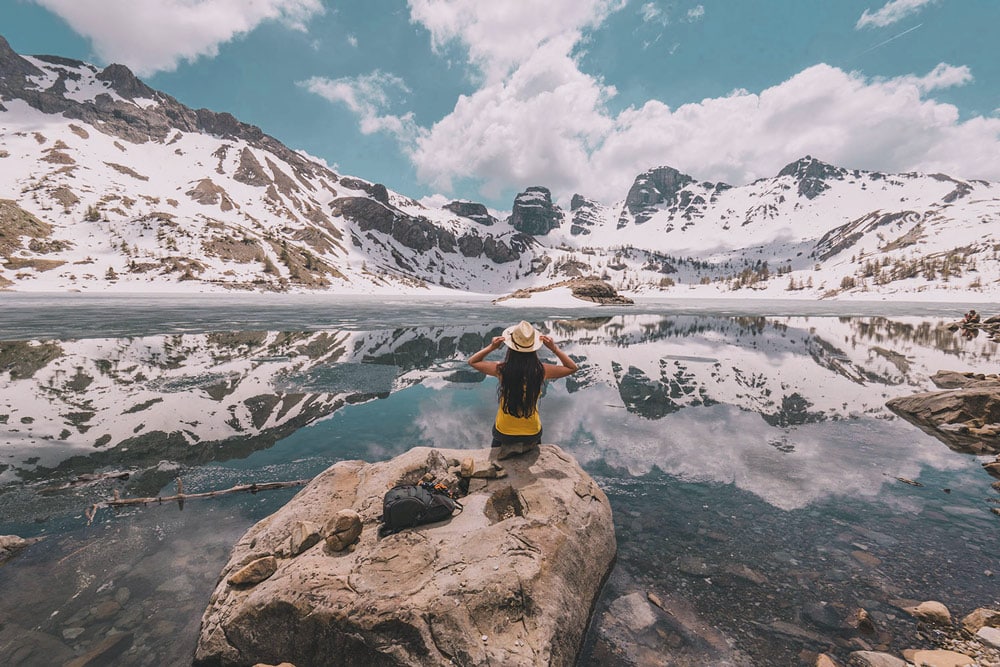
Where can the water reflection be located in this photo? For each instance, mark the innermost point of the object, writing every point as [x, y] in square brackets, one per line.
[760, 447]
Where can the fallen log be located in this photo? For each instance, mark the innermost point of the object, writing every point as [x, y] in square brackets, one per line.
[180, 496]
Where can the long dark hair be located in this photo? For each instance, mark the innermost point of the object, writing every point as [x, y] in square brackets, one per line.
[521, 375]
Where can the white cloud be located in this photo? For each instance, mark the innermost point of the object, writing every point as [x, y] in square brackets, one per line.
[650, 13]
[942, 76]
[891, 12]
[696, 13]
[501, 35]
[549, 124]
[369, 96]
[155, 36]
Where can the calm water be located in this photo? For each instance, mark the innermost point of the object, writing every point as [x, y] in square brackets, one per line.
[751, 464]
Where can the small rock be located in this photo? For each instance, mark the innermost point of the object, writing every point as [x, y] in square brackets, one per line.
[866, 558]
[342, 530]
[989, 636]
[69, 634]
[467, 468]
[931, 611]
[823, 660]
[304, 535]
[980, 618]
[938, 658]
[104, 652]
[875, 659]
[104, 610]
[254, 572]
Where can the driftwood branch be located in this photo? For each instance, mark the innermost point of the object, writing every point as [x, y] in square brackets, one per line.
[180, 496]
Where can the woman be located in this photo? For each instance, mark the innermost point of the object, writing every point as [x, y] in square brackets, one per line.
[521, 376]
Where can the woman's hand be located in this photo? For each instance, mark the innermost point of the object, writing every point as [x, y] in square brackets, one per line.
[548, 342]
[497, 342]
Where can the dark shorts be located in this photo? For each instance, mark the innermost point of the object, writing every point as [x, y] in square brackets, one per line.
[500, 439]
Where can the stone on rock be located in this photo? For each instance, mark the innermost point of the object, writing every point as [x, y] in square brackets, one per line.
[989, 635]
[304, 535]
[938, 658]
[521, 565]
[254, 572]
[343, 530]
[931, 611]
[874, 659]
[979, 618]
[823, 660]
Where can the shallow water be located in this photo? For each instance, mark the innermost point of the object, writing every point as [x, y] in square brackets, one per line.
[752, 467]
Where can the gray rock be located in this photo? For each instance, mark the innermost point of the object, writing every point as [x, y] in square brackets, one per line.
[429, 595]
[874, 659]
[989, 635]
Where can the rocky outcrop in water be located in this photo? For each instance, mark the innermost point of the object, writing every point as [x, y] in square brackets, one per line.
[965, 415]
[508, 581]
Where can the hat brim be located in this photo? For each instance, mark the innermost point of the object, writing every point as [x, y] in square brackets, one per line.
[509, 341]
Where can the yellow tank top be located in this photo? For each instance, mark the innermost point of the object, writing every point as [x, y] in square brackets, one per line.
[510, 425]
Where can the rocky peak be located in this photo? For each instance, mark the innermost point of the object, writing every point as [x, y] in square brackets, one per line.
[534, 213]
[811, 175]
[13, 65]
[653, 188]
[472, 210]
[125, 83]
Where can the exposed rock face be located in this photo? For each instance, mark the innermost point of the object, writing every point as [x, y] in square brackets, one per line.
[509, 581]
[586, 214]
[534, 213]
[812, 175]
[472, 210]
[652, 189]
[966, 416]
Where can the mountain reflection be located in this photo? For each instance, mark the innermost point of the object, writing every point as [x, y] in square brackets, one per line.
[703, 396]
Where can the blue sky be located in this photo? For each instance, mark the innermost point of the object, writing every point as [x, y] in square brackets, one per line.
[478, 100]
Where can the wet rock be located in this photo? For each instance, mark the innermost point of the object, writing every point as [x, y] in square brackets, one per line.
[343, 530]
[10, 545]
[21, 646]
[938, 658]
[304, 535]
[866, 558]
[693, 566]
[428, 595]
[823, 660]
[931, 611]
[254, 572]
[104, 610]
[823, 616]
[874, 659]
[104, 652]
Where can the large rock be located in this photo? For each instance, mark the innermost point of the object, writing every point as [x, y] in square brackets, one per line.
[508, 581]
[966, 416]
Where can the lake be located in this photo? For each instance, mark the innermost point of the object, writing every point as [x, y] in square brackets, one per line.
[761, 490]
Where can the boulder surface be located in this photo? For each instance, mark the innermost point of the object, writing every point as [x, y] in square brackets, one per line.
[965, 415]
[509, 581]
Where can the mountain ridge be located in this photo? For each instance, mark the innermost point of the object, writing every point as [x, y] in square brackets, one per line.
[144, 193]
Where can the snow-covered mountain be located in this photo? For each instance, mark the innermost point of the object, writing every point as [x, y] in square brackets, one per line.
[107, 184]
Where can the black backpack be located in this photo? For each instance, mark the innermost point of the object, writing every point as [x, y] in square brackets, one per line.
[407, 506]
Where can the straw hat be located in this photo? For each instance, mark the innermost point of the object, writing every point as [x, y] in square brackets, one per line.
[522, 337]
